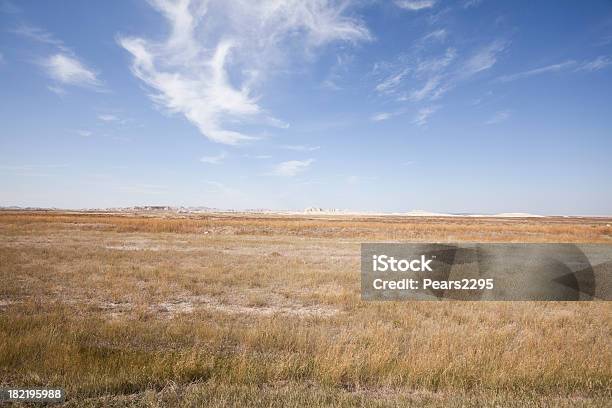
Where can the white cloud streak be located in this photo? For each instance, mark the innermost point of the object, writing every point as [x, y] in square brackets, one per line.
[390, 84]
[423, 115]
[538, 71]
[37, 34]
[218, 159]
[63, 65]
[597, 64]
[471, 3]
[436, 64]
[291, 168]
[483, 59]
[438, 35]
[415, 5]
[105, 117]
[382, 116]
[218, 51]
[84, 133]
[428, 89]
[301, 148]
[498, 117]
[436, 74]
[68, 70]
[58, 90]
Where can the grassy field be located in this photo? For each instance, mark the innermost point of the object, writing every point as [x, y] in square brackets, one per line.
[225, 310]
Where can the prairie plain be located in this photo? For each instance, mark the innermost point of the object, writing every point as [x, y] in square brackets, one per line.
[166, 309]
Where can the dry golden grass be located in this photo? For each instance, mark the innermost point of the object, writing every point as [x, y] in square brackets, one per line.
[221, 310]
[552, 229]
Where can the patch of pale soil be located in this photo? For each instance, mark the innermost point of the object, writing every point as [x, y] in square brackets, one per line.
[132, 247]
[274, 304]
[176, 307]
[114, 309]
[143, 244]
[5, 303]
[310, 254]
[296, 310]
[115, 306]
[191, 304]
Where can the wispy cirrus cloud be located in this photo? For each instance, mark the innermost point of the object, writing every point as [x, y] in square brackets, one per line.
[423, 115]
[435, 64]
[58, 90]
[471, 3]
[301, 148]
[538, 71]
[83, 132]
[379, 117]
[484, 58]
[438, 35]
[68, 70]
[415, 5]
[422, 76]
[498, 117]
[217, 159]
[291, 168]
[597, 64]
[392, 82]
[115, 118]
[40, 35]
[107, 117]
[430, 89]
[190, 71]
[334, 78]
[429, 71]
[437, 74]
[258, 156]
[63, 66]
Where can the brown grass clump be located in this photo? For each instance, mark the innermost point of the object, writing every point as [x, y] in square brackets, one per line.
[218, 310]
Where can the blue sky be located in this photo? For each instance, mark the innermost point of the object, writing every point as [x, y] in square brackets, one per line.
[467, 106]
